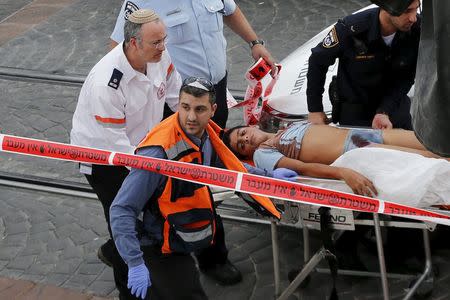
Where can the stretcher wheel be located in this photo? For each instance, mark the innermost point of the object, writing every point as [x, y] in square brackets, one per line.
[293, 273]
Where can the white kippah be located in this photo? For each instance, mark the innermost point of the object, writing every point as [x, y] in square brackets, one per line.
[143, 16]
[198, 85]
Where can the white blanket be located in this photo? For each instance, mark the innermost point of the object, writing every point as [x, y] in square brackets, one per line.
[400, 177]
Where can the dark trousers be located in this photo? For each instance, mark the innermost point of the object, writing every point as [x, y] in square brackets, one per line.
[221, 114]
[106, 182]
[358, 114]
[173, 276]
[402, 117]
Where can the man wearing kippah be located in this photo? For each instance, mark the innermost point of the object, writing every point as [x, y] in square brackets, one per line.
[195, 39]
[121, 100]
[197, 46]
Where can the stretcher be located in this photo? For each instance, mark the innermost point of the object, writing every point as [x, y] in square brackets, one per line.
[280, 108]
[306, 217]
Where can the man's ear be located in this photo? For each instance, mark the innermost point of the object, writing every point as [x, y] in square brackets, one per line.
[214, 107]
[134, 41]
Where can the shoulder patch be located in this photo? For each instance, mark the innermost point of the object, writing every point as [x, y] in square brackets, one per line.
[115, 79]
[331, 39]
[130, 7]
[169, 71]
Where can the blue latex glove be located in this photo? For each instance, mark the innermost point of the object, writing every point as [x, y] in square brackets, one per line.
[285, 174]
[139, 280]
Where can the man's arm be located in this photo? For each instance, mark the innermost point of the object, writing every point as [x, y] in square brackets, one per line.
[357, 182]
[136, 190]
[240, 25]
[112, 44]
[391, 101]
[117, 34]
[107, 107]
[322, 56]
[173, 81]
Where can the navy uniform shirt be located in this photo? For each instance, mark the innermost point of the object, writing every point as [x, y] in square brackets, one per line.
[372, 77]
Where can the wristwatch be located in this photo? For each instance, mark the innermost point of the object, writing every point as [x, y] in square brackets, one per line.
[255, 42]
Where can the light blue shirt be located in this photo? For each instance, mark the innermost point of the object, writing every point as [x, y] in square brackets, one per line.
[195, 42]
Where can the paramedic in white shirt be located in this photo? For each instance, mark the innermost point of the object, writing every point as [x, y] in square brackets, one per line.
[121, 100]
[195, 39]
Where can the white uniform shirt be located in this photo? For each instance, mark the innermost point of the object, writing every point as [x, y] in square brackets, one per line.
[118, 105]
[195, 37]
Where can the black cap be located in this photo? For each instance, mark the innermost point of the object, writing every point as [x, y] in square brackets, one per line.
[393, 7]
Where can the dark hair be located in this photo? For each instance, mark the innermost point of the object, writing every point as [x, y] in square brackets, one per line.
[196, 92]
[227, 141]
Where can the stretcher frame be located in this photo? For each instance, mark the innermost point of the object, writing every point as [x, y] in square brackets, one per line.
[271, 120]
[311, 262]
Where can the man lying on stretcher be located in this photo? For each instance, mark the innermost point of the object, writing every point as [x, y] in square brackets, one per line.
[309, 149]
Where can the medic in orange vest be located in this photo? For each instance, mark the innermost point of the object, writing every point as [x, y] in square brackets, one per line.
[178, 216]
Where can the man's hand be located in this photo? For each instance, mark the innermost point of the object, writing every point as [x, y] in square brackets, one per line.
[285, 174]
[381, 121]
[261, 51]
[358, 183]
[318, 118]
[139, 280]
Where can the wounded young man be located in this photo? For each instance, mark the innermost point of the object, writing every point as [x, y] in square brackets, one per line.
[309, 149]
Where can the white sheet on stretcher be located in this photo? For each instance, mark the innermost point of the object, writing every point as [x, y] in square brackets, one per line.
[400, 177]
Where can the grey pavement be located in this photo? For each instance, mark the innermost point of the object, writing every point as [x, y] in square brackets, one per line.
[52, 239]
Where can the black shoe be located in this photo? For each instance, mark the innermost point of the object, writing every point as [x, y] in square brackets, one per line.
[224, 274]
[104, 253]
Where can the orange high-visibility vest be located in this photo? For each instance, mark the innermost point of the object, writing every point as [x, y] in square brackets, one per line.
[187, 208]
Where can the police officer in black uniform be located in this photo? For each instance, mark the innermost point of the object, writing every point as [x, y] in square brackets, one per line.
[377, 54]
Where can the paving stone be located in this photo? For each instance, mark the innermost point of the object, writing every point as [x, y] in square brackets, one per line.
[32, 277]
[3, 263]
[68, 230]
[79, 281]
[43, 236]
[56, 279]
[83, 237]
[39, 268]
[68, 266]
[8, 252]
[18, 240]
[263, 254]
[48, 258]
[11, 273]
[102, 287]
[15, 217]
[90, 268]
[17, 228]
[40, 227]
[72, 252]
[22, 262]
[106, 274]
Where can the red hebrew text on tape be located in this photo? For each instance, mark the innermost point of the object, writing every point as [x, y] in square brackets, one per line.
[308, 194]
[54, 150]
[186, 171]
[233, 180]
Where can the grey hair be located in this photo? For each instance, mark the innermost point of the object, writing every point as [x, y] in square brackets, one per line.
[131, 30]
